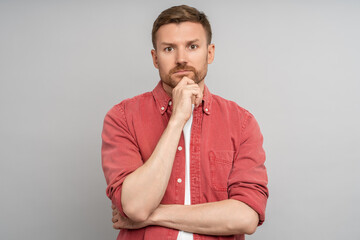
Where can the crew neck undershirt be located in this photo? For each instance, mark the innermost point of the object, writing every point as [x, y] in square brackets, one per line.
[187, 134]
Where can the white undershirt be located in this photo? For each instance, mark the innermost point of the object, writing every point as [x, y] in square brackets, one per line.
[187, 133]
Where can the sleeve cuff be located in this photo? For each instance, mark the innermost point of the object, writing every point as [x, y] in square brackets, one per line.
[256, 202]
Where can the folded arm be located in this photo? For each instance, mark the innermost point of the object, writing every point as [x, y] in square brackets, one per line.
[143, 189]
[227, 217]
[137, 188]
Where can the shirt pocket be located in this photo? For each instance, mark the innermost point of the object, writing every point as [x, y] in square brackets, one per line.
[220, 167]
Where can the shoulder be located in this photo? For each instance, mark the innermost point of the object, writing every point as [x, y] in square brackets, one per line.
[231, 108]
[131, 105]
[238, 119]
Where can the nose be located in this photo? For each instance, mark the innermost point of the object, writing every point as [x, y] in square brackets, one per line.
[181, 56]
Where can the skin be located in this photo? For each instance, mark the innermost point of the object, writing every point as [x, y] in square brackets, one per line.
[182, 56]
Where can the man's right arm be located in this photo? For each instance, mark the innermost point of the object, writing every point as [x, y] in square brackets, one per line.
[143, 189]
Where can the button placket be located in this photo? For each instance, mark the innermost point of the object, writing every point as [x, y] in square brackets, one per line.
[195, 185]
[178, 175]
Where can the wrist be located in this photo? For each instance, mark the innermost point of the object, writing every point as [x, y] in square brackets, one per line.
[176, 122]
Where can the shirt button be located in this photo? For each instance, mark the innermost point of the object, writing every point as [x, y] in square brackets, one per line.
[170, 103]
[179, 148]
[162, 108]
[179, 180]
[206, 109]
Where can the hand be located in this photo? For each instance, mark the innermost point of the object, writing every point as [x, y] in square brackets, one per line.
[121, 222]
[184, 94]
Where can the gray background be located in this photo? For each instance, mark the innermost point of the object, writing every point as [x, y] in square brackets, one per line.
[64, 64]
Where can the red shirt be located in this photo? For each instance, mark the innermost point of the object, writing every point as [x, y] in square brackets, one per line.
[227, 158]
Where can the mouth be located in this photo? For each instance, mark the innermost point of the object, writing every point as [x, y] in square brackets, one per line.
[182, 72]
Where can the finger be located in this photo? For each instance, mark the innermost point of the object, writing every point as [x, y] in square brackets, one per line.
[116, 226]
[192, 92]
[193, 99]
[192, 84]
[198, 101]
[190, 81]
[198, 98]
[191, 88]
[185, 81]
[113, 206]
[114, 213]
[114, 219]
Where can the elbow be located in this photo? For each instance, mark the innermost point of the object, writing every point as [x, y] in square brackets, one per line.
[245, 224]
[250, 228]
[135, 213]
[244, 227]
[250, 224]
[135, 210]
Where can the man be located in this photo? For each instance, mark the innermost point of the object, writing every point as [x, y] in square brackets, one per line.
[180, 162]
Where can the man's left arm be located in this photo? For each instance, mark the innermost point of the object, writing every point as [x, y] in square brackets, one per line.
[227, 217]
[247, 193]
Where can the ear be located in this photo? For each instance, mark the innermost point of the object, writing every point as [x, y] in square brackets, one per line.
[154, 58]
[211, 53]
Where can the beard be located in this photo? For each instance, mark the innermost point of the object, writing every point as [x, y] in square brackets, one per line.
[195, 75]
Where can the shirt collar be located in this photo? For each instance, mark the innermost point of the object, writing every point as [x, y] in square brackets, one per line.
[163, 100]
[161, 97]
[207, 99]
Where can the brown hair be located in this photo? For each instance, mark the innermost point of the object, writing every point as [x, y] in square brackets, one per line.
[178, 14]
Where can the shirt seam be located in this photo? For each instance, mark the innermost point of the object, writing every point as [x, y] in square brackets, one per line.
[121, 109]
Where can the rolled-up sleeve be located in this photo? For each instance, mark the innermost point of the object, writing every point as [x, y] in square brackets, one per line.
[119, 153]
[248, 179]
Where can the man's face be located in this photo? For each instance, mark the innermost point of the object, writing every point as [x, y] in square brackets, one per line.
[182, 50]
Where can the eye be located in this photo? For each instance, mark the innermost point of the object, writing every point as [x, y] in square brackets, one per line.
[193, 46]
[168, 49]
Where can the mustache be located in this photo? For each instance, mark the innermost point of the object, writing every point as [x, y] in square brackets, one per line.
[182, 67]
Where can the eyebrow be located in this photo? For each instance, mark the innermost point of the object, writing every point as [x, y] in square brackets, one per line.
[172, 44]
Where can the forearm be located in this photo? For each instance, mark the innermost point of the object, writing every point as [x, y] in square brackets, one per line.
[227, 217]
[143, 189]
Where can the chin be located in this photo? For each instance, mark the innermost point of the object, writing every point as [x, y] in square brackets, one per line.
[170, 82]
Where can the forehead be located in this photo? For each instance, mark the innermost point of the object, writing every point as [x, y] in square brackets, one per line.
[180, 32]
